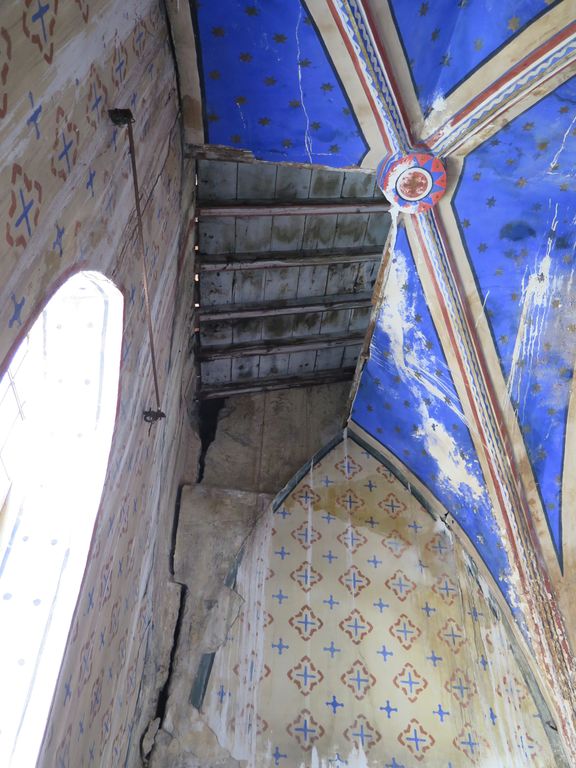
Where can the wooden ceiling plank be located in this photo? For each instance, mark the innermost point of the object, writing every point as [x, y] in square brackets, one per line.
[274, 383]
[272, 208]
[334, 303]
[307, 259]
[280, 346]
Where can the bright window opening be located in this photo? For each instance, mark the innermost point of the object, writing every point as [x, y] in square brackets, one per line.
[57, 413]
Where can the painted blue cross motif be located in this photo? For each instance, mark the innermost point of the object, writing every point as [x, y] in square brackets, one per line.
[356, 627]
[66, 147]
[350, 502]
[388, 709]
[439, 547]
[428, 609]
[460, 688]
[95, 106]
[483, 663]
[58, 239]
[442, 713]
[434, 659]
[305, 675]
[326, 482]
[304, 535]
[355, 580]
[370, 485]
[371, 522]
[334, 704]
[392, 506]
[493, 716]
[362, 734]
[330, 556]
[400, 584]
[305, 497]
[524, 746]
[358, 679]
[17, 312]
[280, 646]
[374, 561]
[337, 760]
[331, 602]
[282, 552]
[305, 730]
[119, 68]
[221, 694]
[446, 588]
[380, 604]
[68, 689]
[417, 740]
[394, 764]
[415, 527]
[405, 631]
[348, 467]
[39, 16]
[421, 566]
[328, 517]
[35, 116]
[475, 613]
[452, 635]
[90, 182]
[283, 513]
[280, 596]
[305, 575]
[306, 622]
[331, 649]
[385, 653]
[470, 744]
[410, 682]
[277, 755]
[25, 215]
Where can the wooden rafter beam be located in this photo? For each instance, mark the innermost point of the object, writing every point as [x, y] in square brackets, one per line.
[284, 346]
[333, 303]
[250, 261]
[281, 208]
[271, 383]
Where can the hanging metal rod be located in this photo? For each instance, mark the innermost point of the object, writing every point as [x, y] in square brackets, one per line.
[122, 117]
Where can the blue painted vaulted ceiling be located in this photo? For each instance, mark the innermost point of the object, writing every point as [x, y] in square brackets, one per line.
[270, 86]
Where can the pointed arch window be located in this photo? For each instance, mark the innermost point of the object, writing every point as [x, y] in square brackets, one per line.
[58, 402]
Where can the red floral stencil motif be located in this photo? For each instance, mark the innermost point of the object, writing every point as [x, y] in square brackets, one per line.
[358, 679]
[410, 682]
[305, 675]
[5, 59]
[405, 631]
[305, 729]
[24, 208]
[461, 687]
[416, 739]
[362, 734]
[392, 506]
[401, 585]
[470, 743]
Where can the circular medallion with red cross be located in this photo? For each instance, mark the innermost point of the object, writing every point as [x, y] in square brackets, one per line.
[414, 182]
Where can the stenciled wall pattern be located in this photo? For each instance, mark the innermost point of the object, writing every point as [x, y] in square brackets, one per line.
[365, 640]
[66, 203]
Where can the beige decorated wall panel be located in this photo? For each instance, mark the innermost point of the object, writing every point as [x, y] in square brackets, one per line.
[365, 640]
[66, 203]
